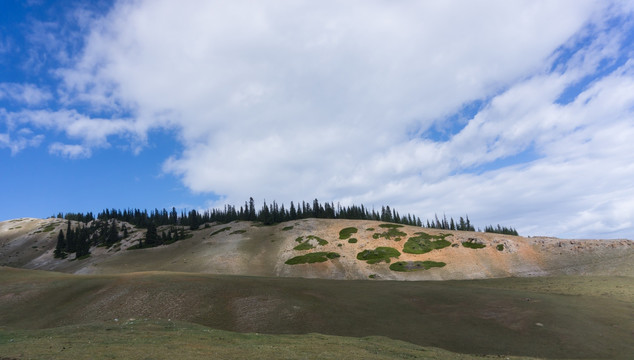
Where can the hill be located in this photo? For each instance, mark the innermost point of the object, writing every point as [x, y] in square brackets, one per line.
[362, 251]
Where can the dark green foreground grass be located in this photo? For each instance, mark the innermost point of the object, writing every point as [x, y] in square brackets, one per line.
[561, 317]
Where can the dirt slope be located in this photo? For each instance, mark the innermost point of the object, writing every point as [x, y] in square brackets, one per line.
[245, 248]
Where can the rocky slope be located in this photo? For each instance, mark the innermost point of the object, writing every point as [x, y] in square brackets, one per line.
[245, 248]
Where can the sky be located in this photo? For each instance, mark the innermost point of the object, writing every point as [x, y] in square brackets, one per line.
[519, 113]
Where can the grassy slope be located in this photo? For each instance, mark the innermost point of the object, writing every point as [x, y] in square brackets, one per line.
[562, 317]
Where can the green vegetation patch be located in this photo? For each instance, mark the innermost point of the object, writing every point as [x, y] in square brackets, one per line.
[369, 229]
[307, 245]
[48, 228]
[423, 243]
[382, 253]
[238, 232]
[312, 258]
[220, 230]
[407, 266]
[392, 233]
[500, 247]
[352, 240]
[347, 232]
[472, 244]
[287, 228]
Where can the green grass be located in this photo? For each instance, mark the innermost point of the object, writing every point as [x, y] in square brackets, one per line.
[391, 233]
[473, 245]
[500, 247]
[352, 240]
[220, 230]
[382, 253]
[582, 316]
[312, 258]
[163, 339]
[424, 243]
[238, 232]
[287, 228]
[347, 232]
[306, 244]
[369, 229]
[407, 266]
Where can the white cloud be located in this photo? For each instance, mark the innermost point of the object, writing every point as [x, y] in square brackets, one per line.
[24, 140]
[70, 151]
[291, 101]
[24, 93]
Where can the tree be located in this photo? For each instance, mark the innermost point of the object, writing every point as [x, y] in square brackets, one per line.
[113, 234]
[151, 237]
[61, 246]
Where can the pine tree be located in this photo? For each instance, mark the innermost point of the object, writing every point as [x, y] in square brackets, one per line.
[151, 237]
[61, 246]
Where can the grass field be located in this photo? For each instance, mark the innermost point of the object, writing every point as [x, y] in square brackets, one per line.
[66, 315]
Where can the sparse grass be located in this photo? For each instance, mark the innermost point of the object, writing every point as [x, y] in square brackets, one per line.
[407, 266]
[500, 247]
[304, 246]
[347, 232]
[352, 240]
[49, 228]
[369, 229]
[424, 243]
[320, 241]
[220, 230]
[237, 232]
[382, 253]
[287, 228]
[392, 232]
[390, 226]
[312, 258]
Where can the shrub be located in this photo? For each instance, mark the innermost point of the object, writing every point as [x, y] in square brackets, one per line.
[391, 233]
[500, 247]
[472, 244]
[379, 254]
[312, 258]
[352, 240]
[286, 228]
[424, 243]
[407, 266]
[347, 232]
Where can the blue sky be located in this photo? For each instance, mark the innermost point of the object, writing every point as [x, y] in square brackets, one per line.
[514, 112]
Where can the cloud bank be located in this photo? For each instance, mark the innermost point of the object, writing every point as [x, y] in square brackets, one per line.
[513, 112]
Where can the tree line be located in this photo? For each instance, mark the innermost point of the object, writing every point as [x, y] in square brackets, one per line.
[101, 230]
[268, 214]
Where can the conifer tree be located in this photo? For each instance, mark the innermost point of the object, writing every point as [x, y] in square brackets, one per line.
[61, 246]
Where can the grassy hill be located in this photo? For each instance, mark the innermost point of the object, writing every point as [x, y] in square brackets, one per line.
[224, 285]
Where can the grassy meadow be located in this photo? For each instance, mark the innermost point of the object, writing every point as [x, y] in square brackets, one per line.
[155, 315]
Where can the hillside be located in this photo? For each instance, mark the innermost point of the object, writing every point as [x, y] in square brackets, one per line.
[561, 317]
[246, 248]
